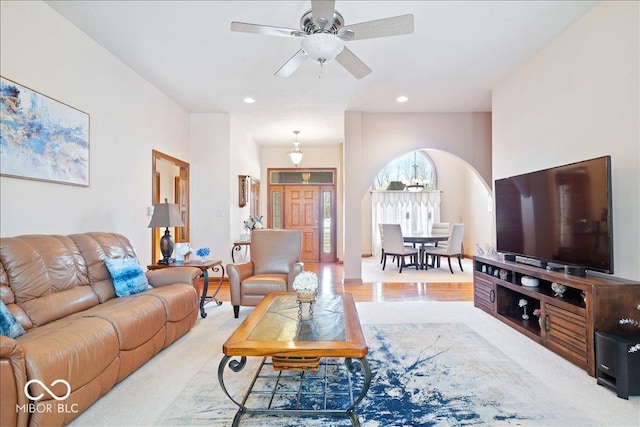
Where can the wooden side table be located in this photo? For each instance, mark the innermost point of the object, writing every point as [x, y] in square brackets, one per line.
[204, 266]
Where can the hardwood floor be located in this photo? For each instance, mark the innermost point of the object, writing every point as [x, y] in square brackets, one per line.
[330, 281]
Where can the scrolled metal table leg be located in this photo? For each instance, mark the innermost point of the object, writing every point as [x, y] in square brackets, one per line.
[213, 297]
[234, 249]
[355, 365]
[351, 413]
[235, 366]
[205, 289]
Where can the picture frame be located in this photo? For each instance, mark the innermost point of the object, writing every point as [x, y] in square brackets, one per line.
[243, 184]
[42, 138]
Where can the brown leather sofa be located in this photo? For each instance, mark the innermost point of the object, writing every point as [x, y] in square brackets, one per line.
[76, 328]
[274, 263]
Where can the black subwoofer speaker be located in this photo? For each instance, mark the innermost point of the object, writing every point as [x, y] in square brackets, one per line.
[616, 368]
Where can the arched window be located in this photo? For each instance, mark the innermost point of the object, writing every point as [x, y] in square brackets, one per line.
[417, 207]
[412, 171]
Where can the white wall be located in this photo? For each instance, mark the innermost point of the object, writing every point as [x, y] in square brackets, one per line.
[210, 192]
[373, 139]
[465, 199]
[245, 160]
[576, 99]
[128, 118]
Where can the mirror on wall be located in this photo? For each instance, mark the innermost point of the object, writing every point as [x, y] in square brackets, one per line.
[249, 194]
[254, 197]
[170, 180]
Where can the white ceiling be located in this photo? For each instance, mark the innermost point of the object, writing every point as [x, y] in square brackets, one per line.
[458, 52]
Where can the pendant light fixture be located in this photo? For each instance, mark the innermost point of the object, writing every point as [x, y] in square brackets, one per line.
[416, 184]
[296, 154]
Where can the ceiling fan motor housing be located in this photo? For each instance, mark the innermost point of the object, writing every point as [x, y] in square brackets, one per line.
[310, 27]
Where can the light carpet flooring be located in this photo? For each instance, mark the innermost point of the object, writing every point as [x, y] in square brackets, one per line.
[372, 272]
[142, 398]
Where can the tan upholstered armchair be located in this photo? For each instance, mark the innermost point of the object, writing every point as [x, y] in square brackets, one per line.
[275, 262]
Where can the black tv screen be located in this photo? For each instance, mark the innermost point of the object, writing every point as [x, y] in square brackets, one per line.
[560, 215]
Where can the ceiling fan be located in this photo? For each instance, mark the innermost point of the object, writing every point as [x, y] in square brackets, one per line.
[323, 35]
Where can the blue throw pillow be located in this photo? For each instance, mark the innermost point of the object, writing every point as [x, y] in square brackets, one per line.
[9, 325]
[128, 277]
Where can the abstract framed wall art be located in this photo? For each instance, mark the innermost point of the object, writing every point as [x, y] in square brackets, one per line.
[42, 138]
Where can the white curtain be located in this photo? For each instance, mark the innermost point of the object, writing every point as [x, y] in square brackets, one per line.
[414, 211]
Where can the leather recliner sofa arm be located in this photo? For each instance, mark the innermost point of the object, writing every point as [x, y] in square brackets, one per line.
[296, 268]
[237, 273]
[14, 377]
[169, 276]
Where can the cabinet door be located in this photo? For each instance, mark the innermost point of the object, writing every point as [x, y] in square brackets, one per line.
[484, 294]
[566, 334]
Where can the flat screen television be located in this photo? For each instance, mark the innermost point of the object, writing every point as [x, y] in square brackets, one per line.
[560, 215]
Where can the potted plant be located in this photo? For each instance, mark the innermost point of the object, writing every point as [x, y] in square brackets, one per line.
[252, 223]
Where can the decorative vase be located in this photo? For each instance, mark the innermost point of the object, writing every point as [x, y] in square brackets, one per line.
[305, 298]
[308, 297]
[187, 258]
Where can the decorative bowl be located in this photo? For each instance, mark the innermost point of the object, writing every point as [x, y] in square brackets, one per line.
[531, 282]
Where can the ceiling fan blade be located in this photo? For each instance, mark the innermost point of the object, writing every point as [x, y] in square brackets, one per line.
[244, 27]
[322, 12]
[353, 64]
[386, 27]
[292, 64]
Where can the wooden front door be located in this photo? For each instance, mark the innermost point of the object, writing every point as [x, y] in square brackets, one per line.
[301, 212]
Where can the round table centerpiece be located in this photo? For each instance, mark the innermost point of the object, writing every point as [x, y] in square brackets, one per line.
[306, 286]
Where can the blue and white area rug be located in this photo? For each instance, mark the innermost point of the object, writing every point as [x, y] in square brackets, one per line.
[422, 375]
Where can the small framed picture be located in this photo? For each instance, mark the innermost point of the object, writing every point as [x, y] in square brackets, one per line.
[242, 190]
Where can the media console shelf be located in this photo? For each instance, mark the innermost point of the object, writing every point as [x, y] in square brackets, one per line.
[567, 324]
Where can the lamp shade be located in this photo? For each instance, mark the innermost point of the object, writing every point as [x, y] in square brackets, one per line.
[166, 215]
[322, 47]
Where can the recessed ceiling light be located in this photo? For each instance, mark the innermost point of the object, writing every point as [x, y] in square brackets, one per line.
[402, 99]
[249, 100]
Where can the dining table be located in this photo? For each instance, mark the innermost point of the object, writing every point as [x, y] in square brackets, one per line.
[423, 239]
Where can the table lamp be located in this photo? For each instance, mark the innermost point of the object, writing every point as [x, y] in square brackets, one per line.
[166, 215]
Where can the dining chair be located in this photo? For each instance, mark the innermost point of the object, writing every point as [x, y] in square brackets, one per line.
[382, 243]
[438, 228]
[453, 247]
[394, 247]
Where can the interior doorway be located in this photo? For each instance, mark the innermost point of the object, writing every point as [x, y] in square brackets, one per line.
[305, 200]
[170, 180]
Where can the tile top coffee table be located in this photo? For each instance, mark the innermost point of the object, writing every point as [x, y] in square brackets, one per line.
[312, 365]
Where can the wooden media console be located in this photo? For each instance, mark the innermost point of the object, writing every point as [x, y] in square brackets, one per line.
[566, 325]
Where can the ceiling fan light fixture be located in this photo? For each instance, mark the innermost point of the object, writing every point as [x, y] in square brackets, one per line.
[322, 47]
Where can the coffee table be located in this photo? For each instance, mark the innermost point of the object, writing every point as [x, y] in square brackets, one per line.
[311, 365]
